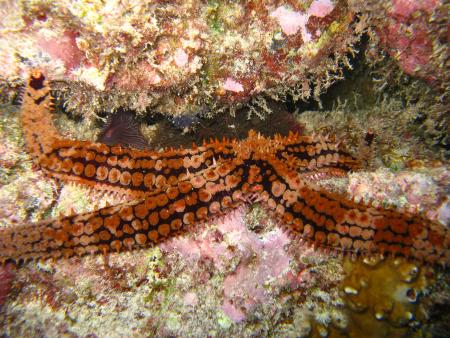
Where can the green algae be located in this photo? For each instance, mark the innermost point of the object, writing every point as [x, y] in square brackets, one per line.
[213, 16]
[173, 321]
[158, 286]
[223, 320]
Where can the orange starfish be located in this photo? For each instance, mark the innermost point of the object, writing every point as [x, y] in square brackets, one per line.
[174, 189]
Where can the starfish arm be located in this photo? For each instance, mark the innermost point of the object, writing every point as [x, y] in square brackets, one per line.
[37, 107]
[315, 155]
[130, 225]
[126, 171]
[113, 168]
[329, 220]
[332, 221]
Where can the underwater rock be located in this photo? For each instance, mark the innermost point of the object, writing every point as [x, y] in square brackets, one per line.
[260, 258]
[415, 33]
[173, 56]
[416, 190]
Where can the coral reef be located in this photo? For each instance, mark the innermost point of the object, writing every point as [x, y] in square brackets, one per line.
[186, 58]
[258, 261]
[242, 274]
[26, 195]
[177, 57]
[183, 288]
[415, 34]
[178, 290]
[384, 117]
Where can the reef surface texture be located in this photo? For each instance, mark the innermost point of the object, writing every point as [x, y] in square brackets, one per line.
[178, 57]
[261, 233]
[195, 57]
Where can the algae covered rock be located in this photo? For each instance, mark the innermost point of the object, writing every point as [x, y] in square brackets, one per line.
[177, 57]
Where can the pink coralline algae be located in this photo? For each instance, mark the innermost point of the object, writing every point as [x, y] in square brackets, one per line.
[416, 190]
[415, 34]
[320, 8]
[65, 49]
[233, 85]
[264, 259]
[291, 21]
[181, 58]
[257, 262]
[405, 8]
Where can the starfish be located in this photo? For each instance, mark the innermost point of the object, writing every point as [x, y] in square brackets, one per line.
[170, 191]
